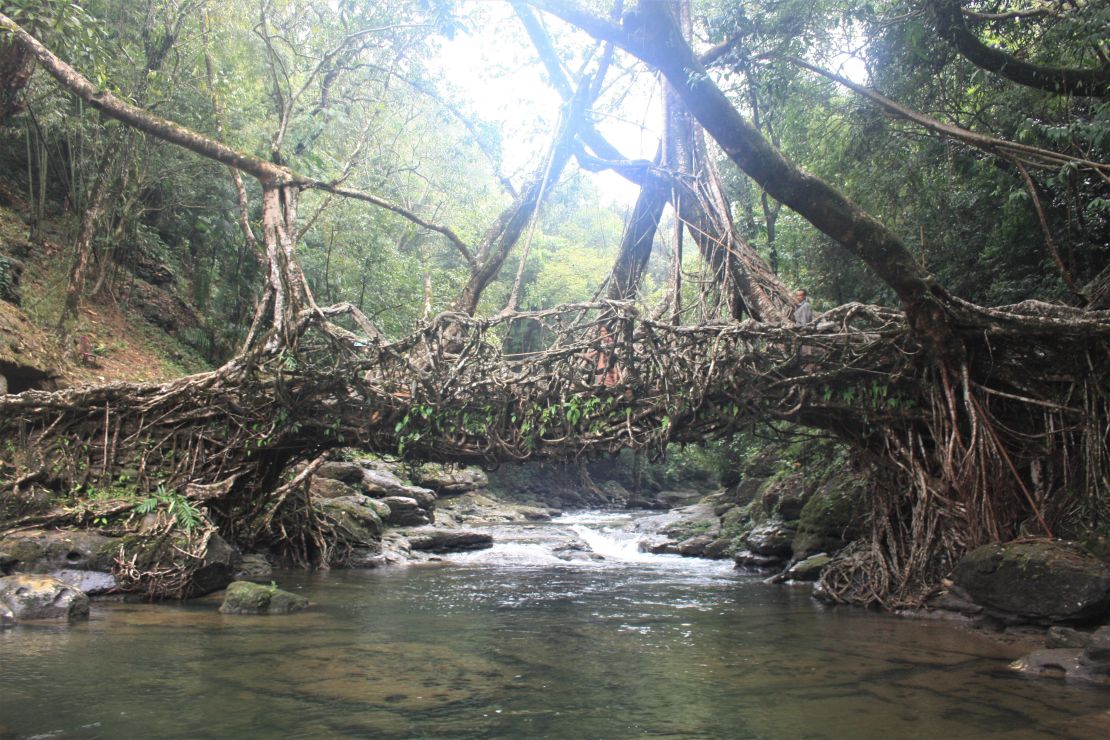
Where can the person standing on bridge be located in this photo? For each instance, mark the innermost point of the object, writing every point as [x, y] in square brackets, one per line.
[803, 314]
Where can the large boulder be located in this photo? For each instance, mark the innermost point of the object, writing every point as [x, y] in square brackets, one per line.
[784, 497]
[406, 512]
[829, 520]
[449, 540]
[356, 518]
[1041, 582]
[449, 481]
[773, 539]
[244, 597]
[330, 488]
[217, 567]
[28, 597]
[48, 550]
[345, 472]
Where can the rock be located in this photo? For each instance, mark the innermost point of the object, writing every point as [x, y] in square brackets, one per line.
[449, 540]
[1065, 637]
[355, 517]
[448, 481]
[48, 550]
[219, 565]
[750, 560]
[11, 270]
[330, 488]
[1097, 648]
[1040, 582]
[89, 582]
[254, 567]
[406, 512]
[718, 549]
[784, 497]
[667, 547]
[345, 472]
[380, 483]
[163, 308]
[772, 539]
[695, 546]
[674, 499]
[244, 597]
[28, 597]
[1091, 663]
[7, 616]
[808, 569]
[829, 520]
[537, 513]
[615, 493]
[746, 490]
[7, 562]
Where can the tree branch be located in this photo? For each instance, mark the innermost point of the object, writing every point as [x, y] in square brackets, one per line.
[952, 27]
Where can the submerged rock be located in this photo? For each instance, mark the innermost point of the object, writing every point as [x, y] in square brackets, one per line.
[1043, 582]
[244, 597]
[29, 597]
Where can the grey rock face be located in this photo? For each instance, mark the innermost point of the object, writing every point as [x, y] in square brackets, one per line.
[31, 597]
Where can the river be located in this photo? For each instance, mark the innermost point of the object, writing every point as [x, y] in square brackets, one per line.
[515, 642]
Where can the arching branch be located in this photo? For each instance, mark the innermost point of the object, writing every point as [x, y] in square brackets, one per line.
[953, 28]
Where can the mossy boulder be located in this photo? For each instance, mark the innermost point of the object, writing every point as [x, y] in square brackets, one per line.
[244, 597]
[830, 519]
[1040, 581]
[355, 518]
[447, 480]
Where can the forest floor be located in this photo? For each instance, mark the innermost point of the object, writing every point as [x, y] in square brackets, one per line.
[109, 341]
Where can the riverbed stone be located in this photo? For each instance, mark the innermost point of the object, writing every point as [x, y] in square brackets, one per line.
[406, 512]
[33, 597]
[244, 597]
[449, 540]
[1041, 581]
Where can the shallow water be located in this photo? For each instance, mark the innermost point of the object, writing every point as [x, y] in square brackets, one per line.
[514, 642]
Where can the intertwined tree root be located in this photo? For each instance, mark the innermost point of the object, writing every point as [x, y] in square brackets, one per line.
[1012, 440]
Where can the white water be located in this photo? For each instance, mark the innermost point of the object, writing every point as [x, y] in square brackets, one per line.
[586, 539]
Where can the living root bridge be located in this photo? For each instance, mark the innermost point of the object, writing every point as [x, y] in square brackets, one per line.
[961, 460]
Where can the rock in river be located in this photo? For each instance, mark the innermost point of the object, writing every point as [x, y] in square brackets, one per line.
[448, 540]
[37, 597]
[1039, 581]
[244, 597]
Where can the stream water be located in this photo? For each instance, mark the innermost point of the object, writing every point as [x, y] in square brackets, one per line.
[516, 642]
